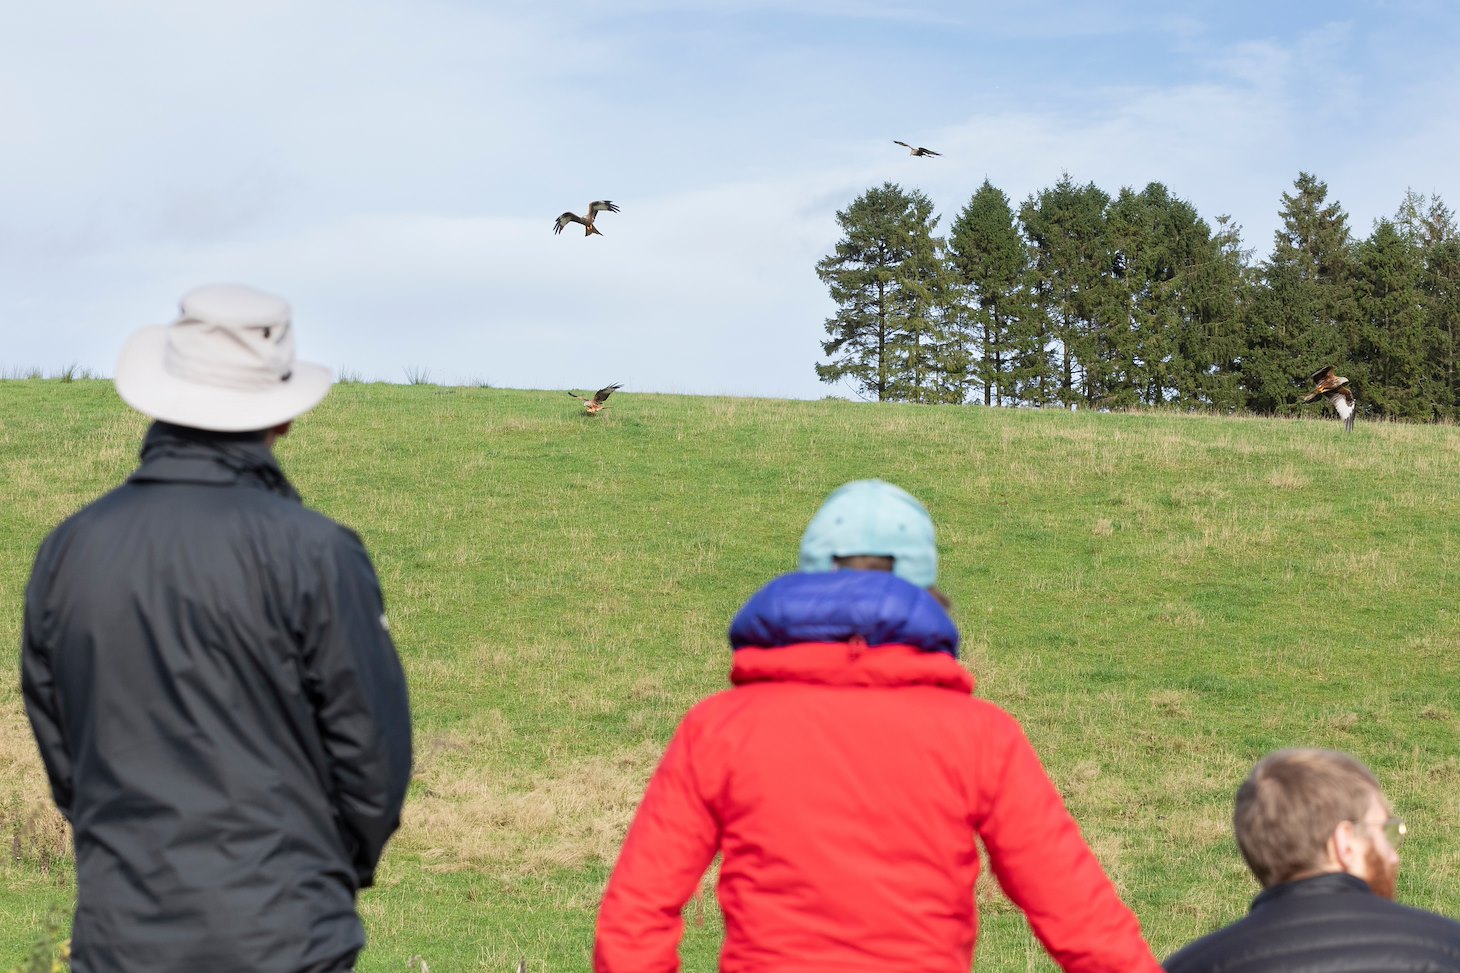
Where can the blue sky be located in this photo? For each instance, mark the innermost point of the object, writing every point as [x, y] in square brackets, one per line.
[393, 168]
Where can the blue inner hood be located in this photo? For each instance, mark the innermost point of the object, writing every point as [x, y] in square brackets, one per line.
[838, 606]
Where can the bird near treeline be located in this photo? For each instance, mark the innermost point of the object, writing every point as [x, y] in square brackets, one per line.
[594, 208]
[1334, 387]
[598, 402]
[917, 150]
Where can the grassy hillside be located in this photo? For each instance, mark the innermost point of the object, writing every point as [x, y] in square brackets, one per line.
[1159, 600]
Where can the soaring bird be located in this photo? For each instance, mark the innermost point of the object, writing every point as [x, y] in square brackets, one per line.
[596, 404]
[1334, 387]
[594, 208]
[918, 150]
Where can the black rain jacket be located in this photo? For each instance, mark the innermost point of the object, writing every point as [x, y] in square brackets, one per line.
[1330, 923]
[221, 713]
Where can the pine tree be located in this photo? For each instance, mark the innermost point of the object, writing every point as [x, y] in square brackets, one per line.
[1393, 343]
[1071, 258]
[893, 334]
[989, 261]
[1179, 289]
[1430, 225]
[1307, 315]
[1217, 287]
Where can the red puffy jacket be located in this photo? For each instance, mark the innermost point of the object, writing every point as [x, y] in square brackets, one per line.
[844, 786]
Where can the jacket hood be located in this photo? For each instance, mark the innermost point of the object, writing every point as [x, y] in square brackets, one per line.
[868, 607]
[178, 454]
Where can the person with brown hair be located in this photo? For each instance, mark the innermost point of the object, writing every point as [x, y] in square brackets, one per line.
[1319, 835]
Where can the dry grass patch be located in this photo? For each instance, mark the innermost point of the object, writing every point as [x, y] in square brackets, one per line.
[29, 823]
[1288, 478]
[575, 815]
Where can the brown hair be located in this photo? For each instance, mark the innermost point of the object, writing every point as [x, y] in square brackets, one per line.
[1288, 806]
[881, 562]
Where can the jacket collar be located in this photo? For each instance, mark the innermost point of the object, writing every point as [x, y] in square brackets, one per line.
[842, 606]
[849, 664]
[177, 454]
[1327, 883]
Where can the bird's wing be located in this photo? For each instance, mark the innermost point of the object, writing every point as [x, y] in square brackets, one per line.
[931, 152]
[565, 219]
[901, 143]
[1326, 384]
[599, 205]
[1321, 374]
[602, 394]
[1345, 393]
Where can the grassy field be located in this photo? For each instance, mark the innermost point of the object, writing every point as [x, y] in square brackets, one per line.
[1159, 599]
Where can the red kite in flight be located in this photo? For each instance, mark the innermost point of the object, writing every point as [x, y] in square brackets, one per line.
[1334, 387]
[596, 404]
[919, 150]
[594, 208]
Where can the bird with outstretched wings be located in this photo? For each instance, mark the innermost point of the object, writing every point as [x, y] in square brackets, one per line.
[1334, 387]
[917, 150]
[598, 402]
[594, 208]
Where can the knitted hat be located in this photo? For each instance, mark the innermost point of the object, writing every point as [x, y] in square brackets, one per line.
[876, 518]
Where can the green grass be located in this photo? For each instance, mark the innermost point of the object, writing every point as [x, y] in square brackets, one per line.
[1159, 599]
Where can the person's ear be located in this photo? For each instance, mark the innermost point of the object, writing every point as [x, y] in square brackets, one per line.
[1344, 847]
[272, 436]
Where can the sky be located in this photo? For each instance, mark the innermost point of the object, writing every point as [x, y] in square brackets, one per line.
[393, 167]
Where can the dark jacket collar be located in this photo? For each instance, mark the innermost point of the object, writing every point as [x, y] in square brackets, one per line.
[1328, 883]
[178, 454]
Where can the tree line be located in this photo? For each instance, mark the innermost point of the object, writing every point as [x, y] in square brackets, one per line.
[1081, 299]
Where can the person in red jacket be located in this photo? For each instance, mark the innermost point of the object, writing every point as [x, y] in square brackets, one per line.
[845, 781]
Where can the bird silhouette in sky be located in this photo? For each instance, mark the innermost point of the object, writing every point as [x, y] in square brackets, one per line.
[915, 150]
[594, 208]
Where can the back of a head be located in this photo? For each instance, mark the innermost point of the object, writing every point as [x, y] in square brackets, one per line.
[872, 525]
[1291, 803]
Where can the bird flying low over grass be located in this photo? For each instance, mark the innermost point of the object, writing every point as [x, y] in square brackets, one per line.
[594, 208]
[915, 150]
[596, 404]
[1334, 387]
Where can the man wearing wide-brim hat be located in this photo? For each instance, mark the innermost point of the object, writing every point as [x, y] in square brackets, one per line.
[209, 676]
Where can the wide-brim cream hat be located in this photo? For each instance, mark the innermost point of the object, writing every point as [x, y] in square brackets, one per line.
[226, 364]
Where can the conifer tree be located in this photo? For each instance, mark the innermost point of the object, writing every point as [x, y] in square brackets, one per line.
[1306, 317]
[989, 261]
[1430, 225]
[893, 335]
[1178, 290]
[1393, 343]
[1217, 290]
[1071, 259]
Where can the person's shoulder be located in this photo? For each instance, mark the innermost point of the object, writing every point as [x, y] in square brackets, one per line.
[1435, 922]
[98, 511]
[1224, 948]
[991, 716]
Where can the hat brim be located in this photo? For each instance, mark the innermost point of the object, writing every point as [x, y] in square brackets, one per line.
[145, 385]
